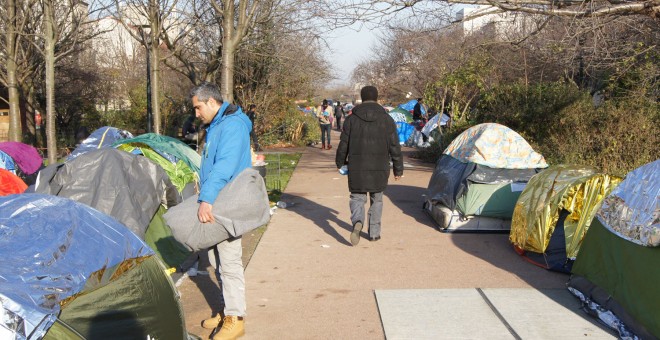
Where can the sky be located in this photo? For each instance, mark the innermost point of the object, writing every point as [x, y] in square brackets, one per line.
[355, 44]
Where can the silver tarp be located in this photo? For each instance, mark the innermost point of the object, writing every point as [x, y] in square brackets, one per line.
[632, 210]
[49, 247]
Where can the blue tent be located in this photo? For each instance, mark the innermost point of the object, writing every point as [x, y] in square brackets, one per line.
[101, 138]
[410, 105]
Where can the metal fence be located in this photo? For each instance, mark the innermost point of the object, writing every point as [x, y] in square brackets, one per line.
[278, 170]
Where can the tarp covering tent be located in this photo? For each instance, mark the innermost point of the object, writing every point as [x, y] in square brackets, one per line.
[26, 157]
[483, 178]
[616, 274]
[410, 105]
[404, 131]
[71, 272]
[10, 183]
[127, 187]
[101, 138]
[554, 211]
[181, 164]
[439, 119]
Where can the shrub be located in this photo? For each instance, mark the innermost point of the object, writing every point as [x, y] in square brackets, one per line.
[291, 127]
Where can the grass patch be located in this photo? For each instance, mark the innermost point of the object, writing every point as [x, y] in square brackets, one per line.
[279, 169]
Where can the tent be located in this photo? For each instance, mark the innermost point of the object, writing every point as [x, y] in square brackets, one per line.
[616, 274]
[7, 163]
[400, 115]
[10, 183]
[127, 187]
[554, 211]
[181, 164]
[410, 105]
[402, 118]
[26, 157]
[479, 177]
[431, 126]
[72, 272]
[101, 138]
[169, 148]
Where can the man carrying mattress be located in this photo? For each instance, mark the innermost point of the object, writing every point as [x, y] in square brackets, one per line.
[226, 153]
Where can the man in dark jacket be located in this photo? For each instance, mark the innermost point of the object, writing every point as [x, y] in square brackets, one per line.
[368, 142]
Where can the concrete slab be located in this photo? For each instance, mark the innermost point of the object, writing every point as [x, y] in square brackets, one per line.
[545, 314]
[491, 313]
[438, 314]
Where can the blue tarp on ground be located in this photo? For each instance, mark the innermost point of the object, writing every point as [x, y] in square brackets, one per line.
[49, 247]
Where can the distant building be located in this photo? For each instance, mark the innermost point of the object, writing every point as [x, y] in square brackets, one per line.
[485, 19]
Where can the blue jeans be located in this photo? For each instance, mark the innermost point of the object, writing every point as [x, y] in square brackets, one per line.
[325, 130]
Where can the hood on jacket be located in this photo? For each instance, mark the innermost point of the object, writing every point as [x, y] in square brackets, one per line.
[368, 111]
[230, 110]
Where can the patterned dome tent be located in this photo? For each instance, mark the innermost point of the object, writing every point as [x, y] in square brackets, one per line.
[554, 212]
[616, 272]
[71, 272]
[481, 173]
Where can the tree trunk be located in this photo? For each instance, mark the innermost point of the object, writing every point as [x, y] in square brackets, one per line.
[49, 55]
[155, 82]
[12, 82]
[227, 73]
[228, 52]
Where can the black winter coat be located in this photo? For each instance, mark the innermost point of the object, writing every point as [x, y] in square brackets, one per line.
[368, 142]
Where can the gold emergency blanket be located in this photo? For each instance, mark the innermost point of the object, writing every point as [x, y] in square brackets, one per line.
[577, 189]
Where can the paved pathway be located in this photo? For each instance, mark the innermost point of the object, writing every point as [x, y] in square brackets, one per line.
[306, 281]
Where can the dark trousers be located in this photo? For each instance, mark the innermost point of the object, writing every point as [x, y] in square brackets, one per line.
[338, 120]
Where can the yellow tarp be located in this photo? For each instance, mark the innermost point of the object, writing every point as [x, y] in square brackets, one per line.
[577, 189]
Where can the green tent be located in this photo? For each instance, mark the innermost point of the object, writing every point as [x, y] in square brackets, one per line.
[616, 273]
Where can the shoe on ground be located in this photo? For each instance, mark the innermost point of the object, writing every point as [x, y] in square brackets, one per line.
[374, 239]
[232, 328]
[355, 235]
[329, 147]
[213, 322]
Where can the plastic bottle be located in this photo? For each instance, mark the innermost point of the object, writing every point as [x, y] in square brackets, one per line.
[283, 205]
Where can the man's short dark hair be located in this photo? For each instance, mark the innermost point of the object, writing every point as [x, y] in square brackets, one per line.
[204, 91]
[253, 106]
[369, 93]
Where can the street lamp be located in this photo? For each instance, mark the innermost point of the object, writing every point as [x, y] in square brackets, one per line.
[147, 41]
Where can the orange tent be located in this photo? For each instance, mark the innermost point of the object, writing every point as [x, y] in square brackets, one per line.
[10, 183]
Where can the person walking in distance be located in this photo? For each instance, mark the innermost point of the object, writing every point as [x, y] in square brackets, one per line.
[226, 153]
[339, 113]
[324, 112]
[368, 142]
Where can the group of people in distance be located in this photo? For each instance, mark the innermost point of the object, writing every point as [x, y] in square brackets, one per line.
[368, 143]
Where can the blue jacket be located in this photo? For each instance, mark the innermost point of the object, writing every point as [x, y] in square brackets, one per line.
[226, 151]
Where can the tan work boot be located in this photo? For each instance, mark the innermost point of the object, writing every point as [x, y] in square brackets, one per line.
[232, 328]
[212, 323]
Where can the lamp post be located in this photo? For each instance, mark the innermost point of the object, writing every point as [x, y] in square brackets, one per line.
[147, 41]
